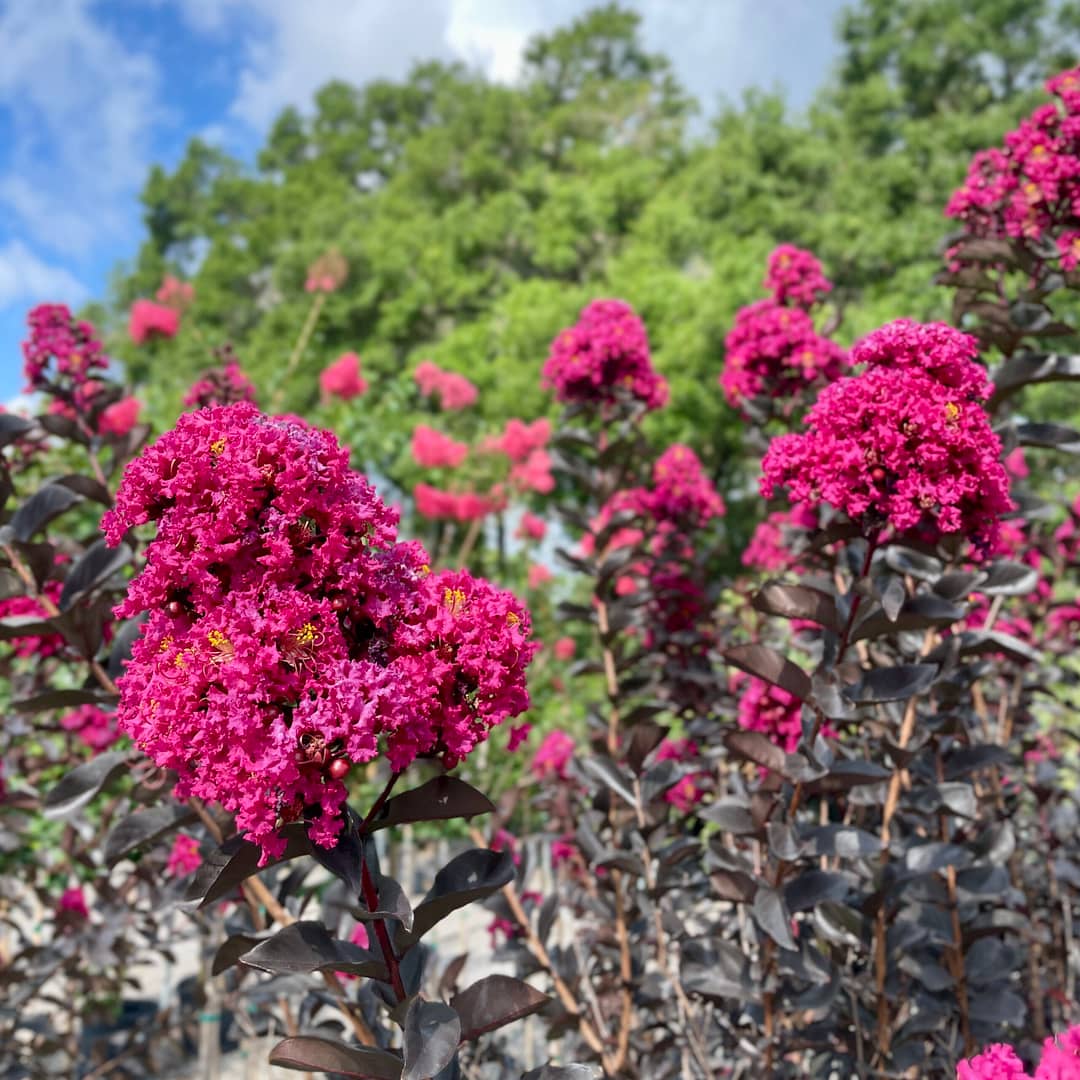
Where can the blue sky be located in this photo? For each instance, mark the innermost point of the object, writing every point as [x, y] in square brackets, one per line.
[92, 92]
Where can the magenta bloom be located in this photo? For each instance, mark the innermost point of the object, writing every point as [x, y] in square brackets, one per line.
[795, 277]
[149, 320]
[531, 526]
[534, 473]
[289, 631]
[895, 446]
[564, 648]
[1061, 1057]
[681, 491]
[120, 417]
[772, 711]
[997, 1062]
[342, 378]
[431, 502]
[73, 902]
[184, 858]
[773, 351]
[34, 645]
[454, 391]
[520, 439]
[553, 756]
[61, 356]
[603, 358]
[539, 575]
[95, 727]
[432, 449]
[223, 385]
[175, 293]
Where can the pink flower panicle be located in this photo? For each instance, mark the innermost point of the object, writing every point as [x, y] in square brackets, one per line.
[795, 277]
[605, 358]
[290, 634]
[682, 493]
[224, 385]
[149, 320]
[564, 648]
[93, 726]
[34, 646]
[327, 273]
[895, 446]
[73, 902]
[431, 449]
[342, 379]
[552, 758]
[770, 547]
[453, 390]
[520, 439]
[434, 503]
[184, 858]
[120, 417]
[1028, 190]
[1060, 1061]
[773, 351]
[531, 527]
[175, 293]
[61, 356]
[772, 711]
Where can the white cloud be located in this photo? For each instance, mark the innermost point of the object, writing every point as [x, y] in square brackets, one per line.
[80, 105]
[25, 278]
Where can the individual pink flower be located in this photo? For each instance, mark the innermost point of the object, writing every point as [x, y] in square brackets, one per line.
[175, 293]
[685, 794]
[677, 750]
[794, 276]
[1016, 464]
[73, 902]
[552, 758]
[33, 645]
[149, 320]
[432, 449]
[604, 358]
[770, 544]
[531, 526]
[506, 841]
[539, 575]
[896, 446]
[563, 850]
[342, 378]
[564, 649]
[93, 726]
[120, 417]
[184, 858]
[682, 494]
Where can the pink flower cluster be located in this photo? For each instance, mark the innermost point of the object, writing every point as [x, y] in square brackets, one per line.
[774, 352]
[1060, 1061]
[1029, 189]
[897, 446]
[342, 378]
[184, 858]
[327, 273]
[454, 391]
[682, 494]
[93, 726]
[62, 355]
[605, 358]
[224, 385]
[531, 527]
[73, 903]
[175, 293]
[770, 544]
[432, 502]
[431, 449]
[290, 634]
[523, 444]
[794, 276]
[119, 417]
[688, 792]
[149, 320]
[37, 647]
[770, 710]
[552, 758]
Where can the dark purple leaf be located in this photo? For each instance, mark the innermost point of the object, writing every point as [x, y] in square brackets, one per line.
[767, 664]
[798, 602]
[142, 828]
[439, 799]
[894, 683]
[772, 916]
[493, 1002]
[756, 747]
[223, 871]
[431, 1035]
[304, 947]
[93, 568]
[42, 507]
[83, 782]
[309, 1053]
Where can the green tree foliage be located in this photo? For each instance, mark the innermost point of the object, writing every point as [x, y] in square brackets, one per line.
[478, 218]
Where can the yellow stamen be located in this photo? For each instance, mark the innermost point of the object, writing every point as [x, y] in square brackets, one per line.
[166, 643]
[952, 411]
[217, 447]
[454, 599]
[305, 636]
[512, 618]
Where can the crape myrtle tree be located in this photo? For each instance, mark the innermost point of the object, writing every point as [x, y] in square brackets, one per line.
[275, 637]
